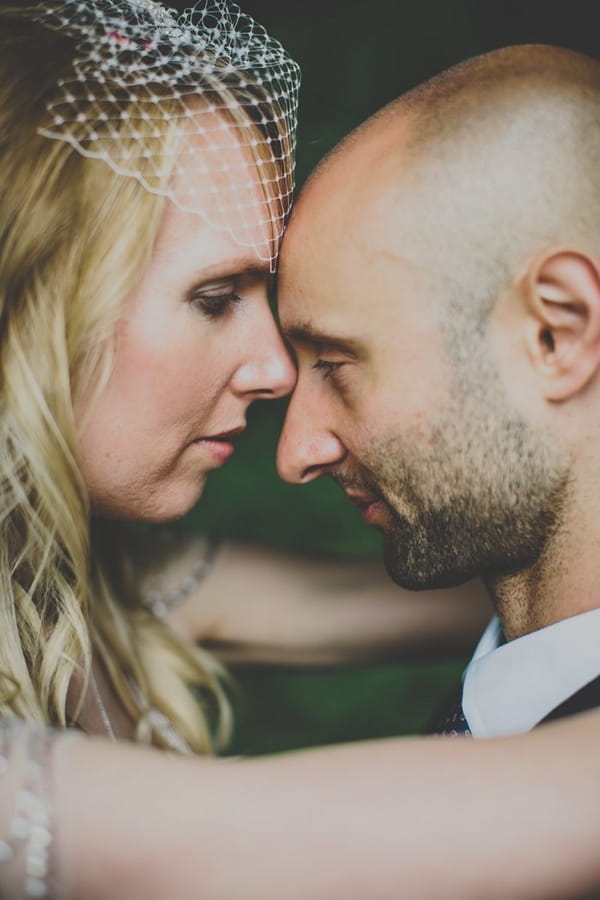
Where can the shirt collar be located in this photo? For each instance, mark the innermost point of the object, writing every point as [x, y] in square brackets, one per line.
[510, 688]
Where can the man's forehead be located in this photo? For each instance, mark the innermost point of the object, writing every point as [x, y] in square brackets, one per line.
[344, 256]
[303, 332]
[312, 296]
[341, 223]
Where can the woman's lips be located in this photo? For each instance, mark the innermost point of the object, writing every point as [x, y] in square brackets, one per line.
[220, 450]
[218, 445]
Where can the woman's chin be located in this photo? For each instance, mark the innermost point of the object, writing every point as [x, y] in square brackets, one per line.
[155, 507]
[173, 506]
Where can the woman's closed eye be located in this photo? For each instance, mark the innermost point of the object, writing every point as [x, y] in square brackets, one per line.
[214, 300]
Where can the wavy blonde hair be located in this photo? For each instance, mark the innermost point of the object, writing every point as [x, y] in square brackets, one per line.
[74, 240]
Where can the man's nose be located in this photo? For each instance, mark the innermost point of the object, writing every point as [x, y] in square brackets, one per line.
[307, 448]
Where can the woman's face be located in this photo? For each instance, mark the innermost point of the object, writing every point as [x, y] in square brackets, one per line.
[196, 345]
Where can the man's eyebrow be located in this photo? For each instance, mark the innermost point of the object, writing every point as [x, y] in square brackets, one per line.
[308, 335]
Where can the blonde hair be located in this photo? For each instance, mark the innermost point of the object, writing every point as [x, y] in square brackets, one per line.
[74, 240]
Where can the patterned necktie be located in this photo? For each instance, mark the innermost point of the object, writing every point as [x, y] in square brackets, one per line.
[452, 720]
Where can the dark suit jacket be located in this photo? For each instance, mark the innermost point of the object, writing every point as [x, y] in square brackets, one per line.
[588, 697]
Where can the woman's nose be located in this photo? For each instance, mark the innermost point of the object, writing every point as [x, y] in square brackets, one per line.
[268, 371]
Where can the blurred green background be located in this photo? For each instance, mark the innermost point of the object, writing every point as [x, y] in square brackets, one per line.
[355, 56]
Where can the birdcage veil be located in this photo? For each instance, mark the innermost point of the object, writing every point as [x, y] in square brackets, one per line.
[212, 77]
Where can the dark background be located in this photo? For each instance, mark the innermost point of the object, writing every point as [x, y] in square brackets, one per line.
[355, 56]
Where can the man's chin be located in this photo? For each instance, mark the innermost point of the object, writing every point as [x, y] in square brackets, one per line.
[426, 575]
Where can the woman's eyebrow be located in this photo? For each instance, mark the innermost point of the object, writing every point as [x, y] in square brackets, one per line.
[230, 268]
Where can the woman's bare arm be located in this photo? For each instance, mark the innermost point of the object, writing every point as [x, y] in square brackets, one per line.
[503, 819]
[262, 605]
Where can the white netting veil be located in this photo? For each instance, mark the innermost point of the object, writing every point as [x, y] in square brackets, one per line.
[200, 107]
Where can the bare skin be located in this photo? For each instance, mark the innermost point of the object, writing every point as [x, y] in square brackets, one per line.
[416, 818]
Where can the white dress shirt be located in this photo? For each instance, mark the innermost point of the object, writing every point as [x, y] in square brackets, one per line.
[510, 688]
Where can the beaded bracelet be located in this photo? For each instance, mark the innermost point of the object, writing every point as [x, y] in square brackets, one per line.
[25, 849]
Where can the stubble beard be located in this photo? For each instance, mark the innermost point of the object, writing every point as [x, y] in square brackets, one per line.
[478, 494]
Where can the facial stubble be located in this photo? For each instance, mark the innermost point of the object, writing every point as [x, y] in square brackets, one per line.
[477, 492]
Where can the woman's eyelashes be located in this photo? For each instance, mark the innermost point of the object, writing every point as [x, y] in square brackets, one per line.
[213, 301]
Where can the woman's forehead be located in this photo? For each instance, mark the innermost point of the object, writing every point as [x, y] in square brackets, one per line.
[190, 245]
[219, 178]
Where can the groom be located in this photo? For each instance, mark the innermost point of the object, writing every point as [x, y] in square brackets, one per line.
[440, 287]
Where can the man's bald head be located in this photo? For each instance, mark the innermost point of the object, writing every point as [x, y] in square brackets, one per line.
[474, 170]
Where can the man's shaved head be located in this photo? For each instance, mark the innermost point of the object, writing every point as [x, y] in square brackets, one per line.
[486, 162]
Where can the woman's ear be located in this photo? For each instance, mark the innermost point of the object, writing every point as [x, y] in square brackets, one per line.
[563, 335]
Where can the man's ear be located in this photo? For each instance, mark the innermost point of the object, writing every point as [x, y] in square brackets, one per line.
[562, 295]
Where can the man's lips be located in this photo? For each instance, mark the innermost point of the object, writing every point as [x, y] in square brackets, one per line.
[361, 498]
[373, 508]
